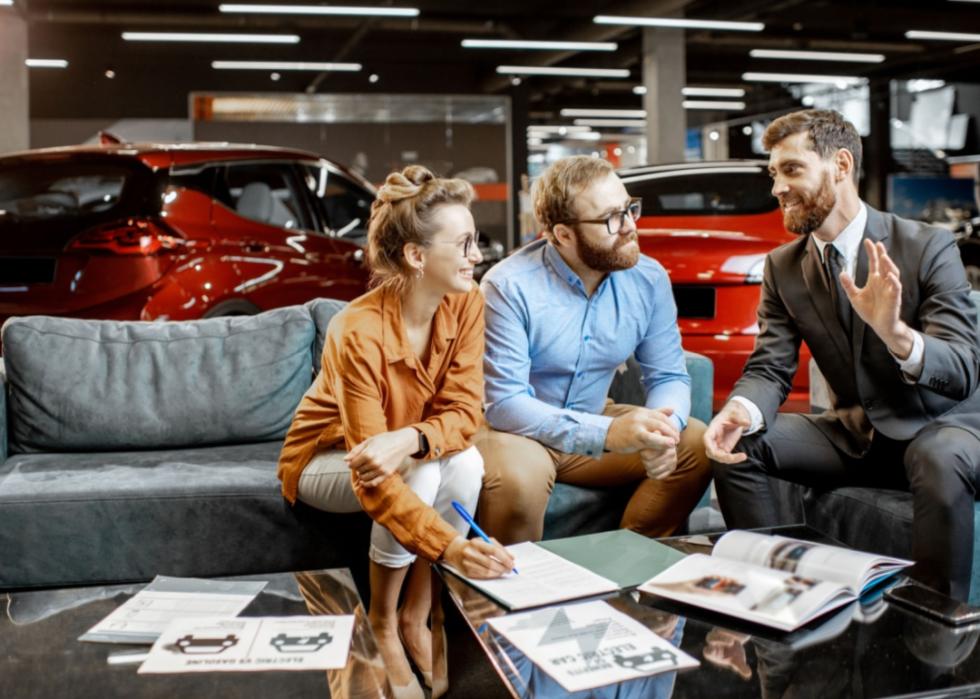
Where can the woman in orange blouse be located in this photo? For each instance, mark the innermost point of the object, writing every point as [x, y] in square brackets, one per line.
[387, 426]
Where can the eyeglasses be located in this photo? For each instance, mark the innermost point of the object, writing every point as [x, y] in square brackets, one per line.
[617, 219]
[466, 244]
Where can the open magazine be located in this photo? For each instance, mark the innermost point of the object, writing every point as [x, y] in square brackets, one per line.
[772, 580]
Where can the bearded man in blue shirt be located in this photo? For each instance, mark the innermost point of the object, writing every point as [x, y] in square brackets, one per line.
[562, 314]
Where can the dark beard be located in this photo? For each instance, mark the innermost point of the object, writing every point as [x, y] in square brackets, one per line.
[812, 210]
[611, 260]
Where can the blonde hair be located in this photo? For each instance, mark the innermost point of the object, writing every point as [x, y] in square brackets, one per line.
[555, 191]
[404, 212]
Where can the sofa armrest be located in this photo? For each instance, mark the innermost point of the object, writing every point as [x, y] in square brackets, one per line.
[3, 412]
[627, 386]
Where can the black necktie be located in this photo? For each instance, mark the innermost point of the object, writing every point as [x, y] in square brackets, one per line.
[834, 265]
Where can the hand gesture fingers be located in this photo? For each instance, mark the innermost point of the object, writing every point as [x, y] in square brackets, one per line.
[485, 560]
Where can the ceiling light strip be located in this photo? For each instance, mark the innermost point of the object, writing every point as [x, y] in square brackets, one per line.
[334, 10]
[678, 23]
[568, 72]
[46, 63]
[625, 113]
[212, 38]
[619, 123]
[713, 104]
[818, 55]
[284, 65]
[713, 91]
[941, 36]
[802, 78]
[539, 45]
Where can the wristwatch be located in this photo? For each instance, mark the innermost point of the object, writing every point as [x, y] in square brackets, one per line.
[423, 445]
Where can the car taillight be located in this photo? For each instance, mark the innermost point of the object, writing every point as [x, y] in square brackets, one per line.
[133, 236]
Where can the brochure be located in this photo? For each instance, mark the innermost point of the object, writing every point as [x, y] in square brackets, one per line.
[251, 644]
[772, 580]
[143, 617]
[589, 645]
[543, 578]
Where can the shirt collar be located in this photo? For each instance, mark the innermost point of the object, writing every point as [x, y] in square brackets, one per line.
[848, 240]
[558, 265]
[394, 337]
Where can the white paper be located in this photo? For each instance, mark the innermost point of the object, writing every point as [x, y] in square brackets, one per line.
[588, 645]
[143, 617]
[251, 644]
[543, 578]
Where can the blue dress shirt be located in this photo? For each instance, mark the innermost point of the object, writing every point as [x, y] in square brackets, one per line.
[552, 351]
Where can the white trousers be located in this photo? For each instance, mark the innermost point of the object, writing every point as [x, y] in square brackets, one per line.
[325, 484]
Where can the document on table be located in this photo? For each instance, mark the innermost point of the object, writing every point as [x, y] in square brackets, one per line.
[544, 578]
[251, 644]
[143, 617]
[588, 645]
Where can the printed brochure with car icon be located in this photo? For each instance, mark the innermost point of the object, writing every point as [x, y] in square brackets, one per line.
[251, 644]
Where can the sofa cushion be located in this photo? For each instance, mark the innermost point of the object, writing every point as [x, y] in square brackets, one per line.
[119, 516]
[88, 385]
[323, 311]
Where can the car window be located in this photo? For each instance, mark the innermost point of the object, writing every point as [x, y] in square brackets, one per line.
[38, 192]
[343, 205]
[264, 192]
[707, 193]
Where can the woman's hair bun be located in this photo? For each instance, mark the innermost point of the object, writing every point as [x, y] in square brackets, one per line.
[405, 184]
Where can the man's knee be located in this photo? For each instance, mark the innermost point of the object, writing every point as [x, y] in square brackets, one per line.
[514, 465]
[941, 464]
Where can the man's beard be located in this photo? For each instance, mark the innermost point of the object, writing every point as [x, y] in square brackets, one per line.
[811, 210]
[622, 255]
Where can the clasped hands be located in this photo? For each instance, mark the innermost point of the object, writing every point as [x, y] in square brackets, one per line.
[652, 433]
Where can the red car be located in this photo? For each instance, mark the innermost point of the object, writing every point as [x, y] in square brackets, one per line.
[154, 232]
[711, 224]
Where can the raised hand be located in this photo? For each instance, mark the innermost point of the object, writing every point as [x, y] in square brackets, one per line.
[879, 302]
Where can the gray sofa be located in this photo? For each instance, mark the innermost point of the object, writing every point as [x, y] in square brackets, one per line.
[132, 449]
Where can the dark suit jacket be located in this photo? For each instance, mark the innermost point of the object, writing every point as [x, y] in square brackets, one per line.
[866, 385]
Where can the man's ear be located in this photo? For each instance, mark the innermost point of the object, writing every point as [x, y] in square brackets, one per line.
[843, 165]
[562, 234]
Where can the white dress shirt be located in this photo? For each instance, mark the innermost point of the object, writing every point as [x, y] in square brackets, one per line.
[848, 244]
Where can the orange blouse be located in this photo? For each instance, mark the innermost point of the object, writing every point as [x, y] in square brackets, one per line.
[371, 382]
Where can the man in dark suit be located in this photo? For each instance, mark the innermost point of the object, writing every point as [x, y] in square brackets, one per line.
[883, 304]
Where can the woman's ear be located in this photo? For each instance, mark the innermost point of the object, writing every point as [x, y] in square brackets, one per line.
[413, 255]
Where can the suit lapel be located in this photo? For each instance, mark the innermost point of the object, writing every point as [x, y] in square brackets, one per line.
[819, 294]
[876, 231]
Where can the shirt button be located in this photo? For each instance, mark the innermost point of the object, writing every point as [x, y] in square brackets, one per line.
[586, 338]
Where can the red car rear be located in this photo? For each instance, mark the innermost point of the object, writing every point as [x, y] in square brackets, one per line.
[176, 232]
[711, 224]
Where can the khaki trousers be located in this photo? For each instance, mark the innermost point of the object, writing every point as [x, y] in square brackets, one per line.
[520, 473]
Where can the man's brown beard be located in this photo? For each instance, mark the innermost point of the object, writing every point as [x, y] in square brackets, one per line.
[811, 210]
[608, 260]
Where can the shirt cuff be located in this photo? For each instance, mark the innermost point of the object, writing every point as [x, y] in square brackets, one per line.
[755, 415]
[911, 366]
[591, 435]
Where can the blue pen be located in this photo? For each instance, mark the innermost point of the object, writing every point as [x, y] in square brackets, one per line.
[472, 522]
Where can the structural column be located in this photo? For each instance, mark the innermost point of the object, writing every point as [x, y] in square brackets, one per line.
[518, 160]
[877, 146]
[14, 97]
[664, 74]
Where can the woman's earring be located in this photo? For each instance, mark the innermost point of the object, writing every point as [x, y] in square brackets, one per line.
[419, 272]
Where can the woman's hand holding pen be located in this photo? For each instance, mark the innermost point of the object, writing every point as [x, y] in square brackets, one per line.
[377, 457]
[476, 558]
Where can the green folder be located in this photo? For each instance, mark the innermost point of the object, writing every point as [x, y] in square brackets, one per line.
[623, 556]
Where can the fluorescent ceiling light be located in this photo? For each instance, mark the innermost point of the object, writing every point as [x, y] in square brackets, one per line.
[556, 128]
[621, 123]
[639, 89]
[698, 171]
[6, 3]
[801, 78]
[341, 10]
[628, 113]
[585, 136]
[713, 104]
[212, 38]
[677, 23]
[46, 63]
[540, 45]
[941, 36]
[713, 92]
[571, 72]
[818, 55]
[283, 65]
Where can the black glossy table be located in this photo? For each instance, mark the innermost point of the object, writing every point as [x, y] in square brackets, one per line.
[867, 649]
[41, 657]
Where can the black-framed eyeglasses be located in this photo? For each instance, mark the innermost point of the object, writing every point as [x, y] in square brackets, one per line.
[617, 219]
[466, 244]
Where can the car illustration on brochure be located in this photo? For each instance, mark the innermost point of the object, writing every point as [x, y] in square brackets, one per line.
[300, 644]
[647, 660]
[202, 645]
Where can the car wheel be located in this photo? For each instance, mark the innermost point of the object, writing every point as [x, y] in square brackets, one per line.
[233, 307]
